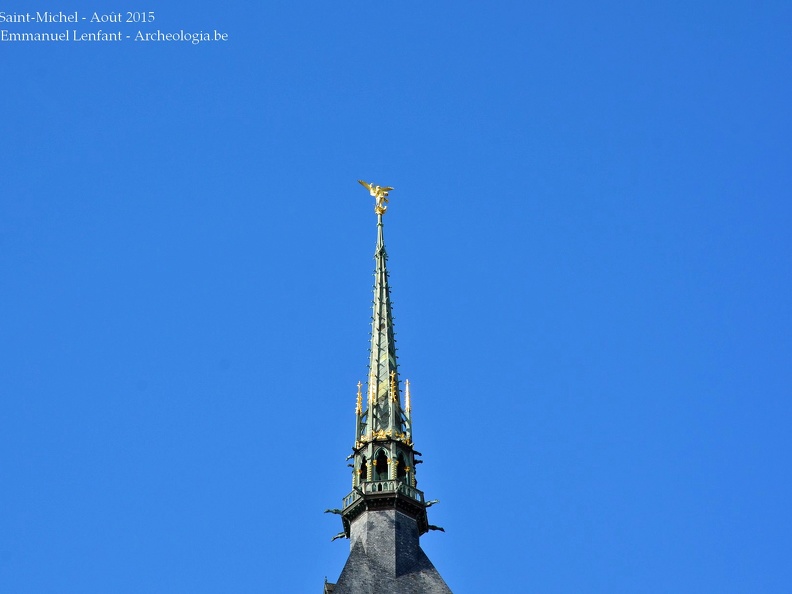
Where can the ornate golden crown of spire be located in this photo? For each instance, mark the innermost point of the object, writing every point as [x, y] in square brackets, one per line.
[379, 193]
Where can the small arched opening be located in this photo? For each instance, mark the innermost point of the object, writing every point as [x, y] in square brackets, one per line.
[401, 469]
[381, 466]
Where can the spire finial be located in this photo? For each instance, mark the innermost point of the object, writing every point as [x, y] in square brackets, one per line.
[380, 194]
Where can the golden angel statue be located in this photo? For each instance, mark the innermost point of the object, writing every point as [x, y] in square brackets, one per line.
[379, 193]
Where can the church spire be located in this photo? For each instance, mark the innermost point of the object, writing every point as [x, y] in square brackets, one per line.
[385, 513]
[384, 414]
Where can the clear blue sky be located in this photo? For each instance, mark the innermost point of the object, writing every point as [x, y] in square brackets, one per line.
[590, 259]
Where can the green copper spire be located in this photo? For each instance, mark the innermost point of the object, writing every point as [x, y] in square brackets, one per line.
[383, 451]
[385, 513]
[384, 402]
[383, 416]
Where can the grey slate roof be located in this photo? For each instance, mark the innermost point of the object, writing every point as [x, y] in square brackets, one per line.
[386, 558]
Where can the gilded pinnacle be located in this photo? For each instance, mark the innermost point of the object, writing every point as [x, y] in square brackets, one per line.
[393, 392]
[380, 194]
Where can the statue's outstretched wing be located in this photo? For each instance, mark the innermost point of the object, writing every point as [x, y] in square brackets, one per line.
[365, 184]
